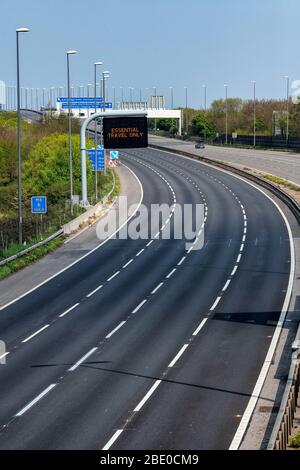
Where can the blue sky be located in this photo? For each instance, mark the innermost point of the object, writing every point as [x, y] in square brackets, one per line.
[163, 43]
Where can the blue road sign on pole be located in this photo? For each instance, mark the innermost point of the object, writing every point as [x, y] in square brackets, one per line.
[100, 158]
[83, 103]
[114, 154]
[39, 205]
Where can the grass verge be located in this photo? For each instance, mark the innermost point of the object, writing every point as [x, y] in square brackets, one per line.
[43, 250]
[295, 441]
[31, 257]
[281, 182]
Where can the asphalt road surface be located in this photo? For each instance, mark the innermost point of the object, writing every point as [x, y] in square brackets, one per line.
[283, 164]
[144, 345]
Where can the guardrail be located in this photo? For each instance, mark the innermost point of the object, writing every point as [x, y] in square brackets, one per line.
[284, 422]
[31, 248]
[57, 234]
[288, 200]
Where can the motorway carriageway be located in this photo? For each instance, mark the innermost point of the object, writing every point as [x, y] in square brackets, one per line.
[144, 345]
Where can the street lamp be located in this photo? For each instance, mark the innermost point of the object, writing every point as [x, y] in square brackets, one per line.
[114, 96]
[226, 113]
[19, 30]
[254, 112]
[172, 97]
[287, 108]
[96, 64]
[131, 90]
[186, 105]
[70, 128]
[205, 103]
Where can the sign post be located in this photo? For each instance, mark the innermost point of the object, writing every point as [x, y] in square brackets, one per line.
[143, 140]
[38, 206]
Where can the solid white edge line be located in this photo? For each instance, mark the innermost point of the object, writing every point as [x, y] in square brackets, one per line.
[114, 330]
[86, 254]
[94, 291]
[69, 310]
[114, 275]
[34, 334]
[236, 442]
[4, 355]
[139, 306]
[238, 437]
[173, 362]
[35, 400]
[113, 439]
[200, 327]
[77, 364]
[147, 396]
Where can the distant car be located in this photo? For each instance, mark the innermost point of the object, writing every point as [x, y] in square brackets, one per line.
[200, 145]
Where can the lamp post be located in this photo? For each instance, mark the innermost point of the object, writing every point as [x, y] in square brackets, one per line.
[226, 113]
[287, 108]
[18, 31]
[186, 105]
[114, 96]
[172, 97]
[96, 64]
[155, 107]
[131, 90]
[254, 113]
[205, 100]
[70, 128]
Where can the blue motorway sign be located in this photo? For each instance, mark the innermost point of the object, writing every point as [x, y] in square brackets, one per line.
[83, 103]
[114, 154]
[100, 158]
[39, 205]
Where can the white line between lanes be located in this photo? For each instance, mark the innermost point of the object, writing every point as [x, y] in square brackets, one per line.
[113, 439]
[181, 261]
[156, 288]
[128, 263]
[200, 327]
[116, 329]
[226, 285]
[82, 360]
[95, 290]
[34, 334]
[33, 402]
[234, 271]
[172, 363]
[147, 396]
[140, 252]
[171, 273]
[139, 306]
[215, 304]
[114, 275]
[69, 310]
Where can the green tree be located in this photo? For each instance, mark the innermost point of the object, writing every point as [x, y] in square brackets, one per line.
[202, 125]
[46, 170]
